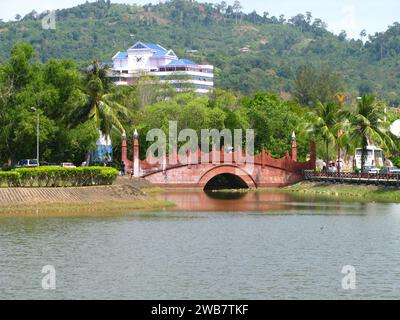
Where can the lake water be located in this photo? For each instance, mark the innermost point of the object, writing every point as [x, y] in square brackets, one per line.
[260, 245]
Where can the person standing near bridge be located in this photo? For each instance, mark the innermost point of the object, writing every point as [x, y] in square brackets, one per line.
[122, 169]
[331, 167]
[339, 164]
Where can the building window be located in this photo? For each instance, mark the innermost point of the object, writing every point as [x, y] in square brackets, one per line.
[201, 86]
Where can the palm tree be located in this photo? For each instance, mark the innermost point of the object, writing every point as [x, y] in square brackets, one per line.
[367, 125]
[326, 121]
[101, 101]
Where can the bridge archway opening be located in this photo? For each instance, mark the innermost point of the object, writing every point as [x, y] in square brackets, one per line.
[226, 181]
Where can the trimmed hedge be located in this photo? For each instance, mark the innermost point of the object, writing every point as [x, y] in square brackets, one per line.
[58, 177]
[9, 178]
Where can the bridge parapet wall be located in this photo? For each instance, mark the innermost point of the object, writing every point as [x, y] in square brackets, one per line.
[266, 170]
[220, 157]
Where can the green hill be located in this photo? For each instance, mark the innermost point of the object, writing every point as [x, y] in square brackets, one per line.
[251, 52]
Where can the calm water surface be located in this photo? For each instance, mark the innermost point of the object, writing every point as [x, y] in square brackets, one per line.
[262, 245]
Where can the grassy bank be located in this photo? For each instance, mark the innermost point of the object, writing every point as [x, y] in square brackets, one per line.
[109, 208]
[125, 196]
[347, 192]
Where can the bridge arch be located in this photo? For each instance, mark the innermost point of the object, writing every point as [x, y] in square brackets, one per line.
[230, 171]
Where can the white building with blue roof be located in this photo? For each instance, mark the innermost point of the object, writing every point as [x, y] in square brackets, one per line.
[154, 60]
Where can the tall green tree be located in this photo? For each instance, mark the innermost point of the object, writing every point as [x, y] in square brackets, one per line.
[317, 84]
[325, 121]
[367, 126]
[149, 90]
[273, 122]
[235, 116]
[101, 106]
[16, 118]
[54, 89]
[237, 7]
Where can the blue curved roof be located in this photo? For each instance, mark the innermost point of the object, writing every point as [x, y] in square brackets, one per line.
[122, 55]
[155, 48]
[182, 62]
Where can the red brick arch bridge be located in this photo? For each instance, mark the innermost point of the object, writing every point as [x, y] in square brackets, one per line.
[220, 169]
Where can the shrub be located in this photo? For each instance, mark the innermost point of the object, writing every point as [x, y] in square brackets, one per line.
[59, 177]
[396, 161]
[7, 168]
[9, 178]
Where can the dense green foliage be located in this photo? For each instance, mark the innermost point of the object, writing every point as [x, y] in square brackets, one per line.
[269, 86]
[317, 85]
[75, 104]
[9, 178]
[272, 119]
[251, 52]
[102, 106]
[71, 109]
[325, 121]
[54, 90]
[58, 177]
[367, 124]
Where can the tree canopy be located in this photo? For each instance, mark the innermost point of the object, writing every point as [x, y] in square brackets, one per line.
[275, 47]
[74, 103]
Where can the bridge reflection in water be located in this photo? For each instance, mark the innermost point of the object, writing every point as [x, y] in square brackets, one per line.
[221, 201]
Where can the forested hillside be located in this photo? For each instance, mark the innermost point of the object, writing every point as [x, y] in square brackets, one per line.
[252, 52]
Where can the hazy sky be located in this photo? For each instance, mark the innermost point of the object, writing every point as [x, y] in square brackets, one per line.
[349, 15]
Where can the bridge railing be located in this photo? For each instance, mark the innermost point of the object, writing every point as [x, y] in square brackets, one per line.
[218, 157]
[352, 177]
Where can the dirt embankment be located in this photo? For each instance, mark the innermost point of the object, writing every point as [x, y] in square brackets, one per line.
[124, 194]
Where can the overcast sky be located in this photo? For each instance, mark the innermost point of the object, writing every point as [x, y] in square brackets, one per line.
[349, 15]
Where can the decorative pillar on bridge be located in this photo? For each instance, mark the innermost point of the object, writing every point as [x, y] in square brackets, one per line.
[124, 151]
[136, 160]
[313, 156]
[294, 147]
